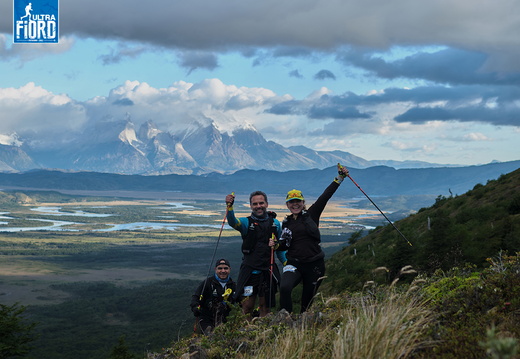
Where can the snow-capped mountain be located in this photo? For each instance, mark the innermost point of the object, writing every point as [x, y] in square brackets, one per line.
[14, 159]
[116, 147]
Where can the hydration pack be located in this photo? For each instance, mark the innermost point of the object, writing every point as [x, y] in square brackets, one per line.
[257, 232]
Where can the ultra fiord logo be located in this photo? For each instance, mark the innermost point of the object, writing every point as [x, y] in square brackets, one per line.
[35, 21]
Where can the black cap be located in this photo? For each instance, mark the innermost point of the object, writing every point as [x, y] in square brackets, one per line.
[222, 261]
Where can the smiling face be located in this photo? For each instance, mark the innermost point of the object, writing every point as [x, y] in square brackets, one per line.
[258, 205]
[295, 206]
[222, 271]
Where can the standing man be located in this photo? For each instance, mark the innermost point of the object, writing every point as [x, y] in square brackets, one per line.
[259, 275]
[211, 301]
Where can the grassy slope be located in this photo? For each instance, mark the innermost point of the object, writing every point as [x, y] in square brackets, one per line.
[464, 229]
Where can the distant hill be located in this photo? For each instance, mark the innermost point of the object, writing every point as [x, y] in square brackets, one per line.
[376, 181]
[454, 231]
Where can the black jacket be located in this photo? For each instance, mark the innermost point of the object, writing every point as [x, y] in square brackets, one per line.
[304, 244]
[211, 306]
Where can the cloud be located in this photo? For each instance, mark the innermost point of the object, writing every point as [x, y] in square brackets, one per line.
[509, 116]
[32, 110]
[121, 52]
[411, 147]
[295, 73]
[175, 107]
[322, 107]
[123, 102]
[324, 74]
[496, 105]
[447, 66]
[485, 27]
[348, 129]
[475, 136]
[28, 52]
[193, 60]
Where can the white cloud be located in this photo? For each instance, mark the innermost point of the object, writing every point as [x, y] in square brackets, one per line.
[32, 108]
[10, 140]
[475, 136]
[175, 107]
[412, 146]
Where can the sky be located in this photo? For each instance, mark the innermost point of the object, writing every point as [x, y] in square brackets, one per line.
[435, 81]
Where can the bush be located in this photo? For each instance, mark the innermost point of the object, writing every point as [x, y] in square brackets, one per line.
[470, 302]
[15, 333]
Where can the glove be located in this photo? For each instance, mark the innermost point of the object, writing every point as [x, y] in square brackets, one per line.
[342, 173]
[286, 236]
[227, 293]
[230, 199]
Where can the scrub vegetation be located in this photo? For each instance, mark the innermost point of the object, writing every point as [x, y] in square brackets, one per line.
[455, 314]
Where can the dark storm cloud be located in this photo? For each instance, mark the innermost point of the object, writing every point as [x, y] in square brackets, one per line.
[509, 116]
[335, 112]
[454, 96]
[193, 60]
[296, 73]
[324, 74]
[120, 53]
[291, 107]
[486, 27]
[287, 51]
[496, 105]
[448, 66]
[326, 107]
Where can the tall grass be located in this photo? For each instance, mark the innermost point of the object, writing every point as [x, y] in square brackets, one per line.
[391, 327]
[387, 324]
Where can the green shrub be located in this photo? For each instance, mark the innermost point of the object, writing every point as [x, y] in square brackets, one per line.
[469, 302]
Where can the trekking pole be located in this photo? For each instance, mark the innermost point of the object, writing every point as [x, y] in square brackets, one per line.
[195, 326]
[212, 259]
[271, 274]
[218, 240]
[375, 205]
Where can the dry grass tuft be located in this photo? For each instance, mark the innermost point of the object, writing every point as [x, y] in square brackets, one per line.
[385, 324]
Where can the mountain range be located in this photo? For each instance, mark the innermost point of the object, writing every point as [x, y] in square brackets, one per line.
[378, 181]
[116, 146]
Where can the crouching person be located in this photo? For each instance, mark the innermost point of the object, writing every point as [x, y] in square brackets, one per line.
[211, 302]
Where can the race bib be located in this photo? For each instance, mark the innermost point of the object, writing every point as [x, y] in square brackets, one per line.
[248, 291]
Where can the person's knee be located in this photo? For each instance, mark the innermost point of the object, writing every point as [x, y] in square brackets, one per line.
[248, 304]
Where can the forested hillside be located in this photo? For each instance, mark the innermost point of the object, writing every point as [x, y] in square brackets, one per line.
[457, 230]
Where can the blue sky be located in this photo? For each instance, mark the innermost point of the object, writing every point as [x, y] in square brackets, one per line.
[400, 80]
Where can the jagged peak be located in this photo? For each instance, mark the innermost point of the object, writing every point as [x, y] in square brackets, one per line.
[149, 130]
[128, 135]
[248, 134]
[246, 127]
